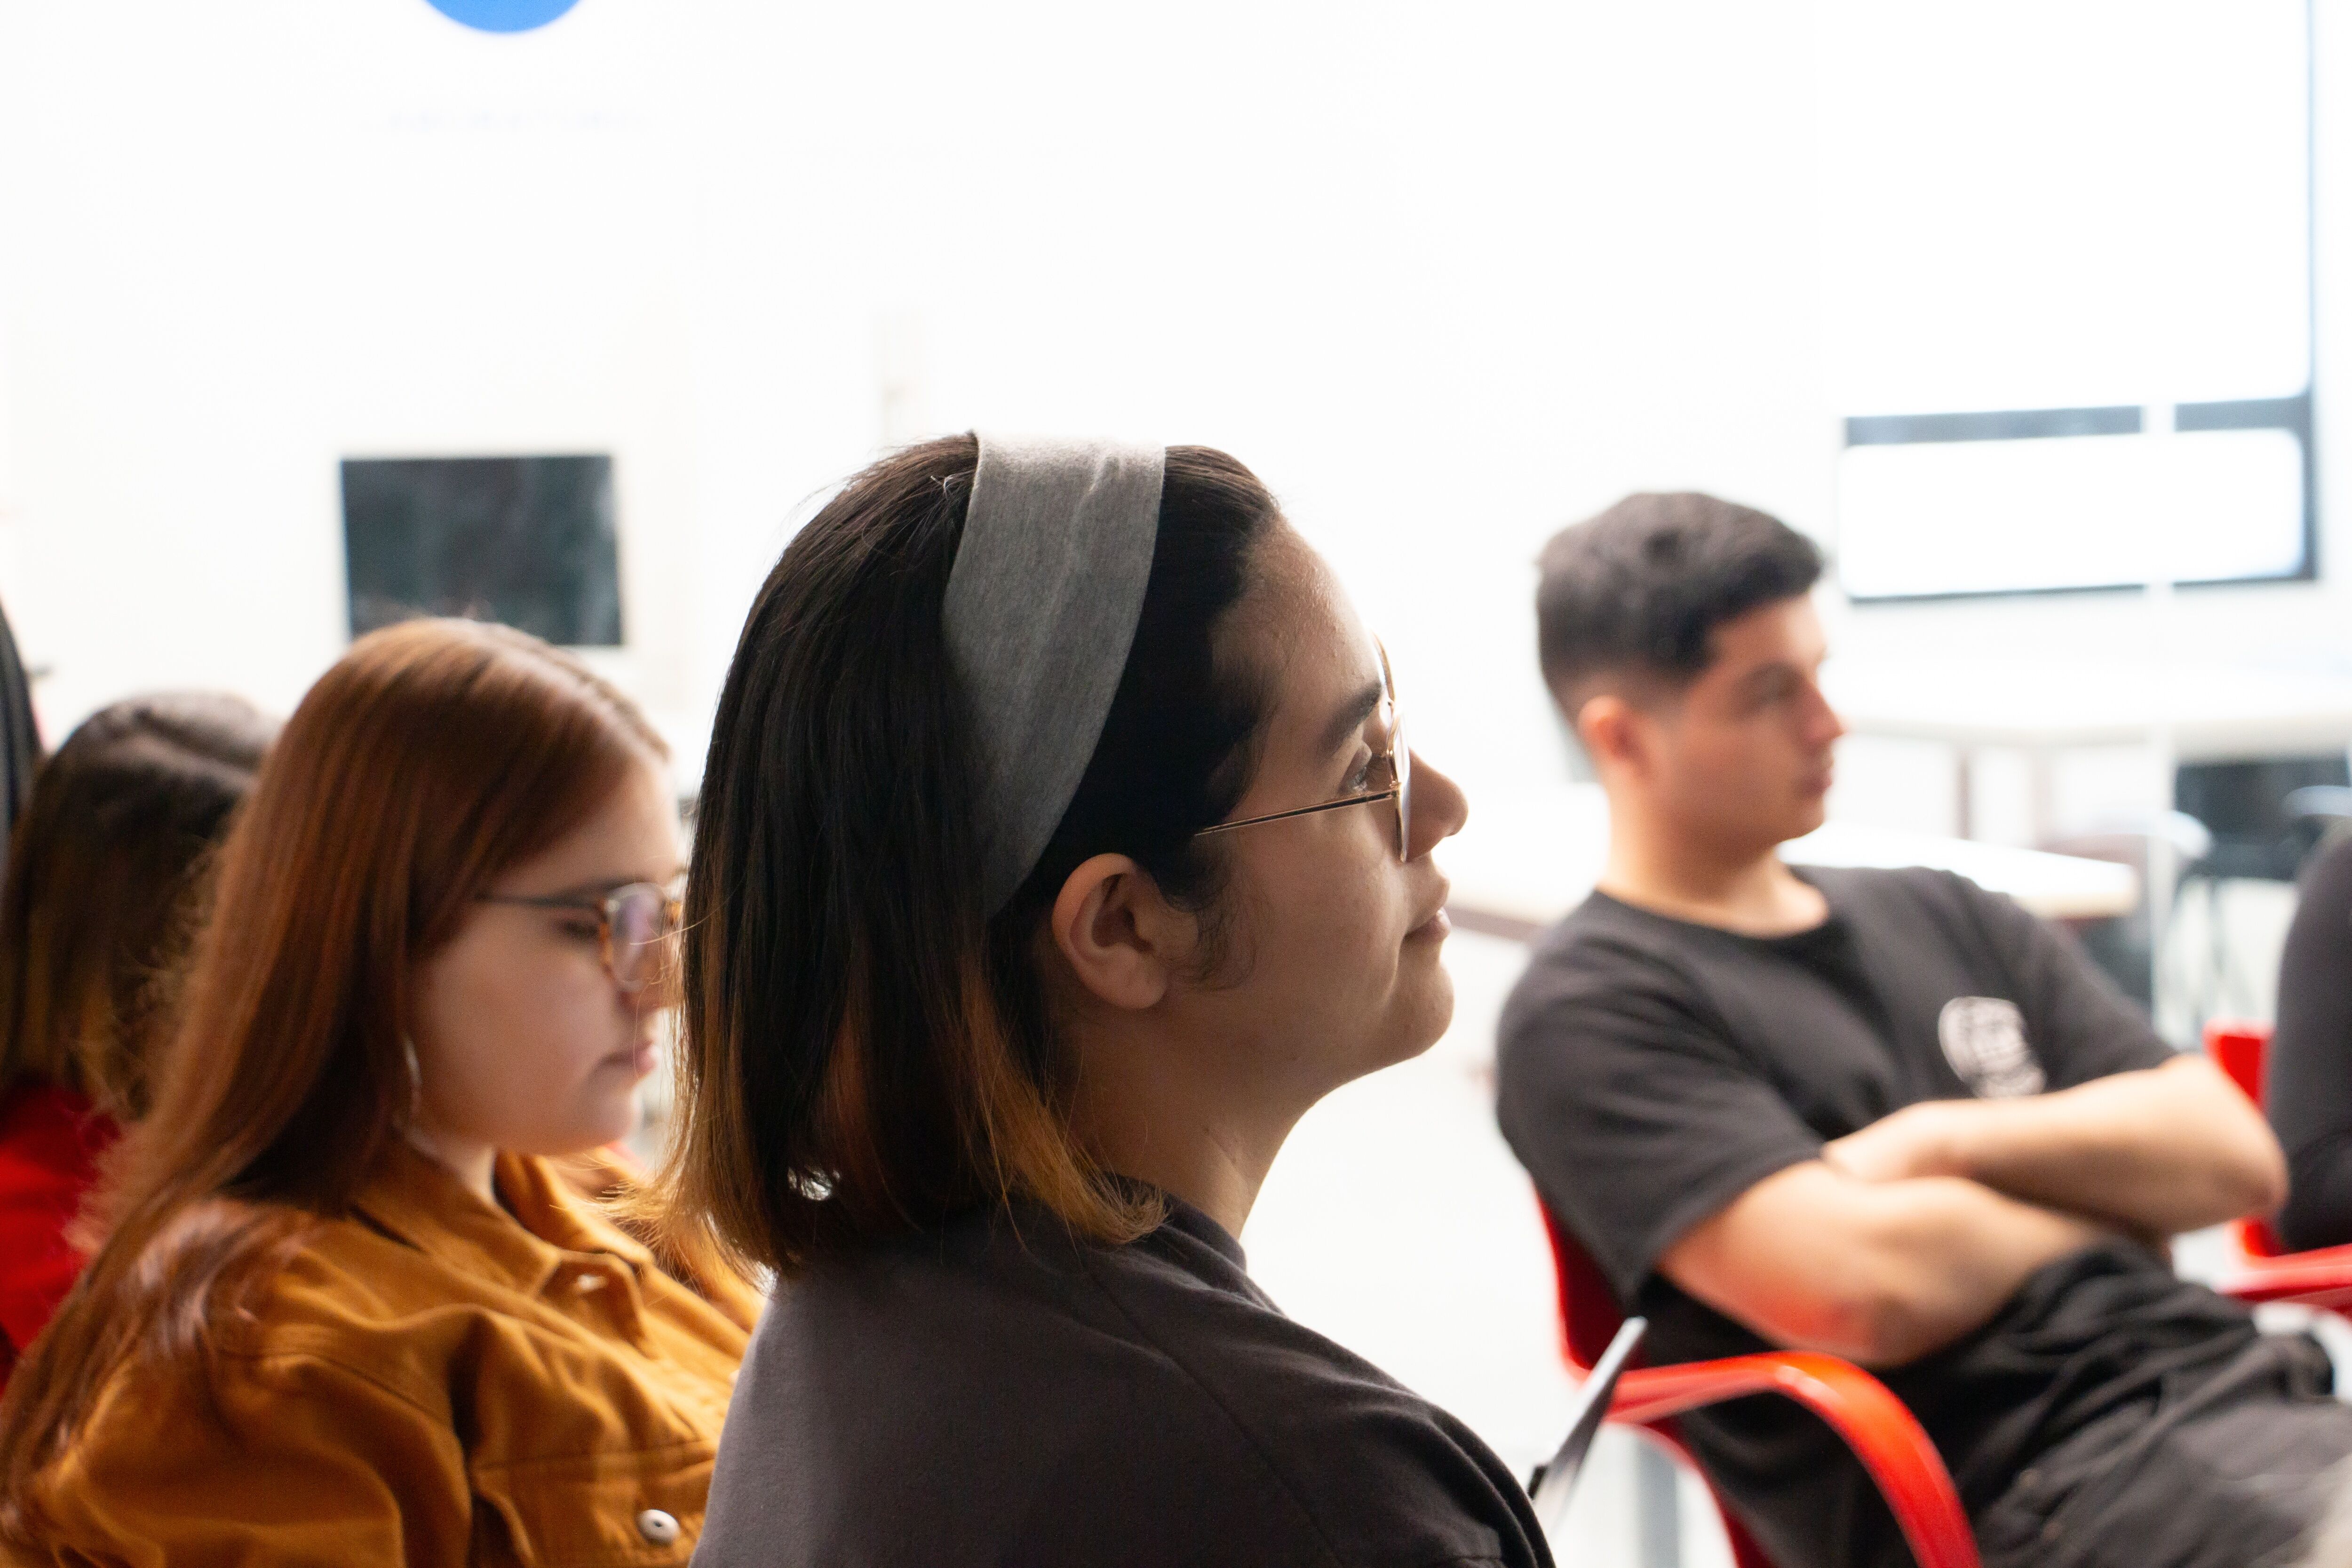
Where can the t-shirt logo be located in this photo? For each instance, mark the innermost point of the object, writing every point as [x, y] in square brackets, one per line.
[1984, 1039]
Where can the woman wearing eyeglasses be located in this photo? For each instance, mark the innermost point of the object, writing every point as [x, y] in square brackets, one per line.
[349, 1308]
[1058, 850]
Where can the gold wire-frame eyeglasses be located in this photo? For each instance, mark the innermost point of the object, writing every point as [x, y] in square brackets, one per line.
[636, 928]
[1394, 764]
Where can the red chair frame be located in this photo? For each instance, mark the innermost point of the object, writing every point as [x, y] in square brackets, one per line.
[1886, 1438]
[2238, 1048]
[2265, 1270]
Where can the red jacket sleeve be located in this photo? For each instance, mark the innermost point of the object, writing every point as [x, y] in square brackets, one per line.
[50, 1140]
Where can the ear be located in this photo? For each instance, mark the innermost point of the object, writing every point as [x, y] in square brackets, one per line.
[1612, 731]
[1118, 934]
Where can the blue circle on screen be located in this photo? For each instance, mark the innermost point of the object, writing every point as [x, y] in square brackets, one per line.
[503, 15]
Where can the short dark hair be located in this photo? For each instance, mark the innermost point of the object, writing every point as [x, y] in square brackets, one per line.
[863, 1049]
[1642, 587]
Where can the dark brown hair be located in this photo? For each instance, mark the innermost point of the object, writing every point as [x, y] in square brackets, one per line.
[1639, 589]
[103, 873]
[431, 757]
[864, 1050]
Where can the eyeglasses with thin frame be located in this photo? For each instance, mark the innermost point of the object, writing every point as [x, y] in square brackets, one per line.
[636, 928]
[1390, 776]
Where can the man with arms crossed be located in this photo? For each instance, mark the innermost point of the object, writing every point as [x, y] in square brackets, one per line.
[1883, 1114]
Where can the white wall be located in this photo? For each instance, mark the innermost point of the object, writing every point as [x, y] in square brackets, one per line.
[1448, 279]
[246, 241]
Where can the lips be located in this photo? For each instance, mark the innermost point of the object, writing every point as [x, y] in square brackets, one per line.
[638, 1058]
[1436, 923]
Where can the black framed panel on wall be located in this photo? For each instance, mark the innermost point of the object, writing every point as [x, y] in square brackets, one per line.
[2068, 265]
[528, 541]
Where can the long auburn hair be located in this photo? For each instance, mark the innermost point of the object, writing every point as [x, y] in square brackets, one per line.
[105, 872]
[864, 1049]
[430, 758]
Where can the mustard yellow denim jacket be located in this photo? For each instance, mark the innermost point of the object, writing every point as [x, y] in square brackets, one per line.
[429, 1380]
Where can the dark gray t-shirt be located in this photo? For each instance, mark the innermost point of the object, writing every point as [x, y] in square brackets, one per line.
[1651, 1070]
[2309, 1091]
[996, 1393]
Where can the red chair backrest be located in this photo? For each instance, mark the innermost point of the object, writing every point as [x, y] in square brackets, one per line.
[1588, 1319]
[2238, 1047]
[1588, 1314]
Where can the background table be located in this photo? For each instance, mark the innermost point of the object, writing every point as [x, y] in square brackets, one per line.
[2205, 711]
[1529, 857]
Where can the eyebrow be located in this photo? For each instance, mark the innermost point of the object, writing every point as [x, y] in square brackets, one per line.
[1349, 718]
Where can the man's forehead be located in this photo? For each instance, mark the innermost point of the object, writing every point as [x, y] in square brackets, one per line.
[1783, 632]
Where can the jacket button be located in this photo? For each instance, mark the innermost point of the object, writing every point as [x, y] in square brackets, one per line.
[659, 1529]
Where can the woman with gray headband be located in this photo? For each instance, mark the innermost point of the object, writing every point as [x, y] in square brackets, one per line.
[1059, 849]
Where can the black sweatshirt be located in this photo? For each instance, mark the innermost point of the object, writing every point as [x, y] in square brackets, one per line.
[2309, 1088]
[997, 1394]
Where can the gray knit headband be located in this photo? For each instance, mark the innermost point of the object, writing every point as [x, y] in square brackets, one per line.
[1041, 610]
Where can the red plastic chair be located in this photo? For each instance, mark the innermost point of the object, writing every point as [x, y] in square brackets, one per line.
[2238, 1048]
[2265, 1270]
[1883, 1436]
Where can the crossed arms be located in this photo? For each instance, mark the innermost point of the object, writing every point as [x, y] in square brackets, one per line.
[1912, 1232]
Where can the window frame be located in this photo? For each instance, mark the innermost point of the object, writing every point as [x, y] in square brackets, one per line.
[2292, 413]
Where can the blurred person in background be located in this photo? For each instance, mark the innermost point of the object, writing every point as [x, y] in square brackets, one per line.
[103, 878]
[346, 1308]
[20, 732]
[2307, 1072]
[1059, 849]
[1883, 1114]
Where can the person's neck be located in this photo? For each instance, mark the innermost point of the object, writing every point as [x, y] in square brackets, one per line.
[1147, 1118]
[1750, 892]
[475, 1165]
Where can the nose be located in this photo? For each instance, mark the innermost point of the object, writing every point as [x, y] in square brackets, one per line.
[1822, 724]
[662, 984]
[1439, 809]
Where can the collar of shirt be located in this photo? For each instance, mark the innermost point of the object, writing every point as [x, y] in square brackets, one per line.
[541, 1234]
[1183, 1217]
[1835, 927]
